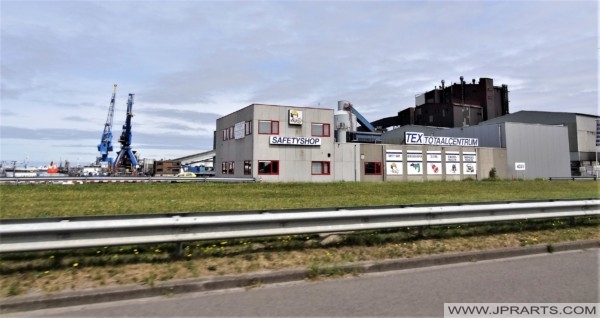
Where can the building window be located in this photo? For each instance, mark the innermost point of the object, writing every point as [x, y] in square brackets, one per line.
[320, 167]
[247, 167]
[248, 126]
[227, 167]
[268, 167]
[372, 167]
[270, 127]
[321, 130]
[225, 134]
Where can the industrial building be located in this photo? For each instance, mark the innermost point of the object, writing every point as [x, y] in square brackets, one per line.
[276, 143]
[457, 105]
[288, 143]
[454, 133]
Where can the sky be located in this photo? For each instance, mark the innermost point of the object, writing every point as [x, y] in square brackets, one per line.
[190, 62]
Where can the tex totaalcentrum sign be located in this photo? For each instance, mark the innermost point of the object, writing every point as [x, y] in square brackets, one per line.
[416, 138]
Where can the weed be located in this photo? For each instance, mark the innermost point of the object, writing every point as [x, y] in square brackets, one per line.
[192, 267]
[253, 283]
[492, 174]
[171, 271]
[314, 271]
[149, 279]
[98, 276]
[13, 289]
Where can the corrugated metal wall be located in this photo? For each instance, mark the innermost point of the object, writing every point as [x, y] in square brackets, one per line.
[544, 150]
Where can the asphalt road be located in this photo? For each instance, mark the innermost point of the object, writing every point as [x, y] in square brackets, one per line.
[549, 278]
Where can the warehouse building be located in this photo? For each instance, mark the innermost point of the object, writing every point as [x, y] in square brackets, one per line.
[523, 151]
[582, 135]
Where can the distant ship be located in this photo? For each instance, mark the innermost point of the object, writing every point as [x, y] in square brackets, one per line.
[22, 172]
[52, 168]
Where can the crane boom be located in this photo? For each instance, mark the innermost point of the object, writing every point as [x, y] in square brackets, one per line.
[105, 145]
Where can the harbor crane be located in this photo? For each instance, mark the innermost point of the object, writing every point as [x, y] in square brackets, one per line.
[126, 158]
[105, 145]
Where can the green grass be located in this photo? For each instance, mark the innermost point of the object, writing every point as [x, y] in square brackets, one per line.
[33, 201]
[53, 271]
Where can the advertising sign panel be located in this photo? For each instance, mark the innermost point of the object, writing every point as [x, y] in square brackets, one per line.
[434, 162]
[469, 163]
[393, 164]
[414, 162]
[452, 162]
[239, 130]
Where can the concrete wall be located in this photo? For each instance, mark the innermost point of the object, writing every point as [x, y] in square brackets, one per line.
[236, 150]
[489, 158]
[371, 153]
[346, 166]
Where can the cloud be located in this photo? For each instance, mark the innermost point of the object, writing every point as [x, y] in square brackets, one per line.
[190, 62]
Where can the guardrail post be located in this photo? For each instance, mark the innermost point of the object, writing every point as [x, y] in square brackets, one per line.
[178, 250]
[420, 232]
[572, 221]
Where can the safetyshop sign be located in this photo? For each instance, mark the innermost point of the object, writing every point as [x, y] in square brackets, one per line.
[296, 141]
[416, 138]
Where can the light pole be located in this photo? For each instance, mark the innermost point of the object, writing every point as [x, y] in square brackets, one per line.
[596, 166]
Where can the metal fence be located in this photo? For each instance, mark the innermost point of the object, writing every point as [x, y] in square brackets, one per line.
[35, 234]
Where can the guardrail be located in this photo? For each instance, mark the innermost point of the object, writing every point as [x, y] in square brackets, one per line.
[81, 180]
[34, 235]
[573, 178]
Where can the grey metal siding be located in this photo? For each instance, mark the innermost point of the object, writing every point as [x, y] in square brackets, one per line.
[543, 149]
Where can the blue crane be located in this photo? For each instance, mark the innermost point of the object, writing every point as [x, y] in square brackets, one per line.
[105, 145]
[126, 156]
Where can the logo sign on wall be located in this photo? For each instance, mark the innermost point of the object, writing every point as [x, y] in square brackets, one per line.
[393, 163]
[519, 166]
[452, 163]
[295, 117]
[434, 162]
[414, 162]
[469, 163]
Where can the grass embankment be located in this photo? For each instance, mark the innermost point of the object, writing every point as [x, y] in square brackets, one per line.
[52, 271]
[31, 201]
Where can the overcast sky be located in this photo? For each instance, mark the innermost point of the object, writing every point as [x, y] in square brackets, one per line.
[191, 62]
